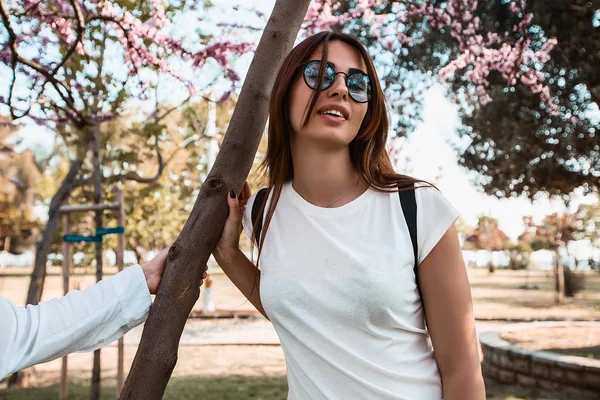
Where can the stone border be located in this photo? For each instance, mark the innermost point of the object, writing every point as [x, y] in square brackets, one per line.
[506, 363]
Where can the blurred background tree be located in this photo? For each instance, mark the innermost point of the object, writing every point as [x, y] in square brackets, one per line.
[487, 236]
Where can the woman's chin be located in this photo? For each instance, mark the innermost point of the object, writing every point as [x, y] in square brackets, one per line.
[331, 138]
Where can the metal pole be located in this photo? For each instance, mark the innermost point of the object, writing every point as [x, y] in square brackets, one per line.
[120, 264]
[66, 270]
[90, 207]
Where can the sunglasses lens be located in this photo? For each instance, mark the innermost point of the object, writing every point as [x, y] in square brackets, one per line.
[358, 83]
[311, 75]
[359, 87]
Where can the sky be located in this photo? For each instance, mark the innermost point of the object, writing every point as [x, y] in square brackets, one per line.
[431, 155]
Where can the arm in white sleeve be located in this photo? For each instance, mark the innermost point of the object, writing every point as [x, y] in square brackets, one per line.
[81, 321]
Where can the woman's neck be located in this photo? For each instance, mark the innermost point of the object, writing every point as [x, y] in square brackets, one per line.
[323, 177]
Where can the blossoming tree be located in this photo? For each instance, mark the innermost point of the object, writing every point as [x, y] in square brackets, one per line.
[54, 54]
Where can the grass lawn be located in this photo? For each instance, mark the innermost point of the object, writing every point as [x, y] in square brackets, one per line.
[244, 387]
[500, 295]
[574, 341]
[496, 391]
[179, 388]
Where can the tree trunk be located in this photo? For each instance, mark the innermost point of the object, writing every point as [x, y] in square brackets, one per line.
[559, 280]
[42, 247]
[95, 386]
[7, 244]
[179, 289]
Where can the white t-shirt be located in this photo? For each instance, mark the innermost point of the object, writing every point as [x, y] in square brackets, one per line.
[338, 285]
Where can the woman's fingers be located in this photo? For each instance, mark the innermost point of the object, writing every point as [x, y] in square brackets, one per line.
[234, 205]
[230, 236]
[246, 192]
[245, 195]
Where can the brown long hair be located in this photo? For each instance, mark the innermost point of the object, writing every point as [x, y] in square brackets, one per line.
[367, 150]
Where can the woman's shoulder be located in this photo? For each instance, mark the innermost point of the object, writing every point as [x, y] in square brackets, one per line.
[428, 196]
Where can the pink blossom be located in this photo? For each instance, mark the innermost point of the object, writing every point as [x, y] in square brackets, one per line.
[224, 97]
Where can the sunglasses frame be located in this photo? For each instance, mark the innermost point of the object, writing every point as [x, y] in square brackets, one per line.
[346, 78]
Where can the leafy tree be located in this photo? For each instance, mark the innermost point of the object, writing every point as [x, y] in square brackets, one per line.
[588, 217]
[554, 233]
[19, 176]
[487, 236]
[463, 228]
[165, 204]
[522, 145]
[54, 55]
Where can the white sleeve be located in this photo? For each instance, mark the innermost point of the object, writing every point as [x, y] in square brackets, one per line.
[435, 215]
[81, 321]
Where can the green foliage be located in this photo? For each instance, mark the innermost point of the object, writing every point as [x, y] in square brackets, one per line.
[555, 231]
[588, 216]
[518, 145]
[156, 211]
[514, 142]
[520, 254]
[19, 178]
[463, 228]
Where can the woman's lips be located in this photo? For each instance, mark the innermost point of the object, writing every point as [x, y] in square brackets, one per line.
[332, 118]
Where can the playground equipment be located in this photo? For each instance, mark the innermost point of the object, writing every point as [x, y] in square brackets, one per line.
[68, 239]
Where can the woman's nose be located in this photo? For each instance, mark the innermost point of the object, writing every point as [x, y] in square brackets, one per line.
[338, 87]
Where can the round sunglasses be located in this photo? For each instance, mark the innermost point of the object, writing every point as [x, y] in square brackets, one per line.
[358, 83]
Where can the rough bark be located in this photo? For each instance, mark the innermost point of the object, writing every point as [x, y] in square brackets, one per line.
[179, 289]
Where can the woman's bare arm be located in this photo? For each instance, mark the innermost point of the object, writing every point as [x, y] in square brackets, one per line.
[244, 275]
[449, 312]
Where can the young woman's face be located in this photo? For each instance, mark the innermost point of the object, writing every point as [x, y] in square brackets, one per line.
[329, 129]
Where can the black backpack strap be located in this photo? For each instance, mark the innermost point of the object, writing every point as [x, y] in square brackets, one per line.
[408, 202]
[257, 215]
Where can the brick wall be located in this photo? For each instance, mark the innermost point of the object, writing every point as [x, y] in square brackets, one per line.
[506, 363]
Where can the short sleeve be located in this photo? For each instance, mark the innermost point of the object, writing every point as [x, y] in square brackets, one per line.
[247, 216]
[435, 215]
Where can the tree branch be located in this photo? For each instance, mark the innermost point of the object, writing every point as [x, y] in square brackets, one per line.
[80, 30]
[134, 176]
[168, 111]
[61, 87]
[12, 44]
[68, 98]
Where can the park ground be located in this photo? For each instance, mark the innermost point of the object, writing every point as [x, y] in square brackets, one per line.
[254, 368]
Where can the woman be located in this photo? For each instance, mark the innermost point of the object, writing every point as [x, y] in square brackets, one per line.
[336, 263]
